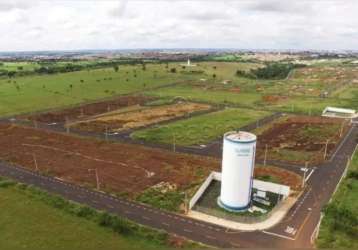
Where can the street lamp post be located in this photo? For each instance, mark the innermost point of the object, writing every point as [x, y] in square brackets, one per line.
[265, 155]
[304, 175]
[97, 178]
[35, 162]
[325, 150]
[174, 141]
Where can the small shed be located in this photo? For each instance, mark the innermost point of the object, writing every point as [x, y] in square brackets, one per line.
[339, 113]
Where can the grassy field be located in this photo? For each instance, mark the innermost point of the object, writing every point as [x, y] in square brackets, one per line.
[309, 105]
[28, 223]
[340, 225]
[19, 66]
[40, 92]
[31, 93]
[217, 97]
[201, 129]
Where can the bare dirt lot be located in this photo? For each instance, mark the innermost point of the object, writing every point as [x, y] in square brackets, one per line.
[87, 110]
[281, 176]
[122, 168]
[298, 139]
[138, 117]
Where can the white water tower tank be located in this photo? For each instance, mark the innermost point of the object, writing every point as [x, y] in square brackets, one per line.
[237, 170]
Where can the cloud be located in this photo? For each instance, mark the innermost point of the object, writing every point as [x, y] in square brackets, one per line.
[119, 10]
[14, 5]
[114, 24]
[279, 6]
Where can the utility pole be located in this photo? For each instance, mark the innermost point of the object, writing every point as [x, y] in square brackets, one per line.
[67, 126]
[341, 132]
[265, 155]
[97, 178]
[35, 124]
[106, 133]
[186, 207]
[325, 150]
[35, 162]
[174, 147]
[304, 175]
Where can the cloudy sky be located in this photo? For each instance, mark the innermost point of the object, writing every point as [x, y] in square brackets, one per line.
[123, 24]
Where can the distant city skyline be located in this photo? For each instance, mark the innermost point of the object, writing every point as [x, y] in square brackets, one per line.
[137, 24]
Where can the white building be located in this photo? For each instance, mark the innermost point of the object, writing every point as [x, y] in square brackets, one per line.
[339, 113]
[237, 170]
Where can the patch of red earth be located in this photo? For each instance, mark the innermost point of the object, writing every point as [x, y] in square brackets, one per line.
[286, 135]
[122, 168]
[285, 177]
[272, 99]
[235, 90]
[87, 110]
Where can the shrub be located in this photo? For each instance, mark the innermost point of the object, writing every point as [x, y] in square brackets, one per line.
[6, 183]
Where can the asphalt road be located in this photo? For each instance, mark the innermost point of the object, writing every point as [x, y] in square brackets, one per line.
[295, 231]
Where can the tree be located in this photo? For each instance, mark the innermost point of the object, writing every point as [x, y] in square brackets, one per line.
[11, 74]
[214, 76]
[173, 70]
[116, 68]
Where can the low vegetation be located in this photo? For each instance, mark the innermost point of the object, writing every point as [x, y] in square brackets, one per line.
[60, 224]
[272, 71]
[169, 200]
[201, 129]
[339, 228]
[52, 222]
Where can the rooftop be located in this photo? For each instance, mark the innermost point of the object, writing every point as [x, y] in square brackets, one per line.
[240, 136]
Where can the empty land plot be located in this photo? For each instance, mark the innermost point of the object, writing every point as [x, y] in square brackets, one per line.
[312, 81]
[122, 168]
[40, 92]
[307, 105]
[201, 129]
[140, 117]
[298, 139]
[199, 94]
[27, 222]
[86, 110]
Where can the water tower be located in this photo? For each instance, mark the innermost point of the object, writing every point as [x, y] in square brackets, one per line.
[237, 170]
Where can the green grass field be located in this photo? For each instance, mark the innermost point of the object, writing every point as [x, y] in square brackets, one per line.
[339, 228]
[28, 223]
[33, 93]
[309, 105]
[19, 66]
[217, 97]
[41, 92]
[201, 129]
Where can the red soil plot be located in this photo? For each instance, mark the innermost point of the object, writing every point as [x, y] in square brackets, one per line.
[299, 139]
[90, 109]
[122, 168]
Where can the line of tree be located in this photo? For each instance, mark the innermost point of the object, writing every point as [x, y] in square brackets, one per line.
[272, 71]
[54, 67]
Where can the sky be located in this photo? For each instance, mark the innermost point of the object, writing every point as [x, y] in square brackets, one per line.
[131, 24]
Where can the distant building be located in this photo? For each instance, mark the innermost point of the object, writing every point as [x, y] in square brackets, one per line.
[339, 113]
[188, 64]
